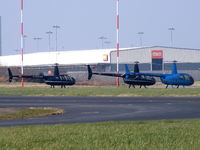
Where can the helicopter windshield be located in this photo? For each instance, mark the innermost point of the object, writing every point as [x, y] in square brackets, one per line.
[64, 78]
[187, 77]
[148, 77]
[184, 77]
[181, 77]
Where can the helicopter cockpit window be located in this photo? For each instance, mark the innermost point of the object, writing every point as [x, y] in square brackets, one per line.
[61, 78]
[148, 77]
[181, 77]
[187, 77]
[67, 78]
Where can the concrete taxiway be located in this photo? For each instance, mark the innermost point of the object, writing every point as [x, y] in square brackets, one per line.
[99, 109]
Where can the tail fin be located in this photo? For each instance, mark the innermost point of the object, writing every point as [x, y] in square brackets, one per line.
[56, 70]
[174, 68]
[89, 72]
[136, 68]
[127, 69]
[10, 75]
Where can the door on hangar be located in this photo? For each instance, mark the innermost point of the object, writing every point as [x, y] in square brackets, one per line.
[157, 60]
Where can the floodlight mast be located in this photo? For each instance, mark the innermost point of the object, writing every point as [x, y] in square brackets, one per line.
[140, 36]
[102, 38]
[49, 37]
[22, 42]
[37, 42]
[171, 31]
[56, 28]
[117, 39]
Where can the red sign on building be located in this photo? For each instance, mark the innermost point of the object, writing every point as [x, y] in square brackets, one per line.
[157, 54]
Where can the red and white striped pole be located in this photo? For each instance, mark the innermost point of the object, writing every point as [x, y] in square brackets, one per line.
[22, 42]
[117, 44]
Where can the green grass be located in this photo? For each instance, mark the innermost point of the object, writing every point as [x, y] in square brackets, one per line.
[140, 135]
[98, 91]
[20, 113]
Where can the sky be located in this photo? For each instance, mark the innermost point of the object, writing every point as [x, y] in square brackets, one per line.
[82, 22]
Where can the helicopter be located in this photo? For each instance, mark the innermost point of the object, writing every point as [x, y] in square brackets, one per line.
[175, 78]
[130, 78]
[56, 79]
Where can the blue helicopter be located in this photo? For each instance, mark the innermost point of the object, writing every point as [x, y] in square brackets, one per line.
[130, 78]
[175, 78]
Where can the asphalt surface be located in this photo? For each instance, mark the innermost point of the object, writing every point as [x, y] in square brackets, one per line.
[99, 109]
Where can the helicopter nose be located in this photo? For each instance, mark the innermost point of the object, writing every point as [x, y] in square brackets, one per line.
[73, 80]
[192, 80]
[154, 80]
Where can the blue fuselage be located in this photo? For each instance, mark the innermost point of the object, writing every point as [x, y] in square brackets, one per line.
[177, 79]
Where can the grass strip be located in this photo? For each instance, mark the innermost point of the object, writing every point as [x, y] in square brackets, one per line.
[100, 91]
[139, 135]
[21, 113]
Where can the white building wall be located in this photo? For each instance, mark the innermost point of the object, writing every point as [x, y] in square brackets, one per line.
[126, 55]
[131, 55]
[62, 57]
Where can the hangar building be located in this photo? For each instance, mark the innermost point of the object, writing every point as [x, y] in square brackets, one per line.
[156, 58]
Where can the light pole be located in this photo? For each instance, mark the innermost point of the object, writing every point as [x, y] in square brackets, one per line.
[49, 37]
[171, 34]
[140, 37]
[117, 40]
[107, 42]
[102, 38]
[24, 37]
[37, 39]
[56, 28]
[22, 41]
